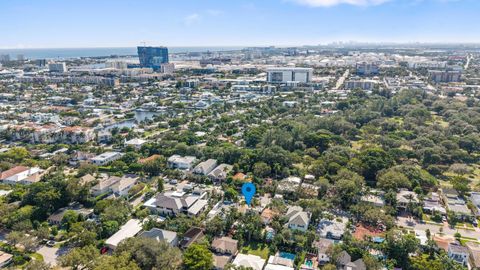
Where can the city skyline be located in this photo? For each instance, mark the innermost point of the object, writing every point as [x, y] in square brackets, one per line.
[125, 23]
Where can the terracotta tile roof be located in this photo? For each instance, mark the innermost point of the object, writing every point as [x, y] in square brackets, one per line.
[13, 171]
[150, 158]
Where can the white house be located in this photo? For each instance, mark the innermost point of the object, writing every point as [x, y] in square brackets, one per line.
[21, 175]
[122, 186]
[130, 229]
[279, 263]
[181, 163]
[105, 158]
[174, 203]
[297, 218]
[114, 184]
[136, 143]
[252, 261]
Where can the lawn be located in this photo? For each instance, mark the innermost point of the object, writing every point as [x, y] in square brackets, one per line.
[257, 249]
[37, 256]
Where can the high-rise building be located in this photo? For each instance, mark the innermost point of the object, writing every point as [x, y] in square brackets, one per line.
[367, 69]
[167, 68]
[20, 57]
[57, 67]
[41, 62]
[289, 74]
[152, 57]
[116, 64]
[4, 58]
[445, 76]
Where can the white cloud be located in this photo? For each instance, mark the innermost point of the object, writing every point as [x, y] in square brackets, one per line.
[191, 19]
[329, 3]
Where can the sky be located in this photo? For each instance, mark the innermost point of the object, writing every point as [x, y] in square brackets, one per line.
[185, 23]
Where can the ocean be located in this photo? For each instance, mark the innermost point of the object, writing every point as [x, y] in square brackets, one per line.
[66, 53]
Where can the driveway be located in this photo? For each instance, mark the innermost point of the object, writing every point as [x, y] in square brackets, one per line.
[51, 254]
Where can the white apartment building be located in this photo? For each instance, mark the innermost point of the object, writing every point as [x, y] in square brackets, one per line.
[289, 74]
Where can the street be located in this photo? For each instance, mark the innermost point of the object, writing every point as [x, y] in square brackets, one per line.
[435, 229]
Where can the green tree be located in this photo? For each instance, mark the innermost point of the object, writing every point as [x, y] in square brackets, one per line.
[150, 254]
[392, 180]
[399, 246]
[261, 169]
[80, 258]
[116, 262]
[197, 257]
[461, 184]
[37, 265]
[374, 160]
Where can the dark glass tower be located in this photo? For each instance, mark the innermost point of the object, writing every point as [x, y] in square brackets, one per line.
[152, 57]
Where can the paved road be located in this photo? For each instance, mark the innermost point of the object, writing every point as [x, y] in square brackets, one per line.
[406, 222]
[342, 79]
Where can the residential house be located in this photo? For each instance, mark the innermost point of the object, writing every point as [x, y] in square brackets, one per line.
[181, 163]
[333, 229]
[220, 172]
[406, 198]
[297, 218]
[268, 215]
[105, 158]
[136, 143]
[205, 167]
[456, 204]
[374, 199]
[474, 250]
[124, 184]
[433, 204]
[458, 253]
[225, 245]
[79, 157]
[21, 175]
[224, 249]
[279, 262]
[249, 261]
[88, 178]
[161, 235]
[323, 247]
[5, 259]
[129, 229]
[475, 198]
[191, 236]
[57, 217]
[289, 184]
[174, 203]
[114, 184]
[344, 262]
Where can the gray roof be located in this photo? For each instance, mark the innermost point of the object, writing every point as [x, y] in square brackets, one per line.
[455, 248]
[159, 235]
[205, 167]
[168, 202]
[344, 258]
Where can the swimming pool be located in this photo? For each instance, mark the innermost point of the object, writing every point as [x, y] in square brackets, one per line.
[287, 255]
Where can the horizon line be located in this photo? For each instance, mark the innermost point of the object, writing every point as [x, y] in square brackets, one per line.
[259, 45]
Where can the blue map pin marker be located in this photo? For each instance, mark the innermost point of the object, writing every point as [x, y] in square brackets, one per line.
[248, 190]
